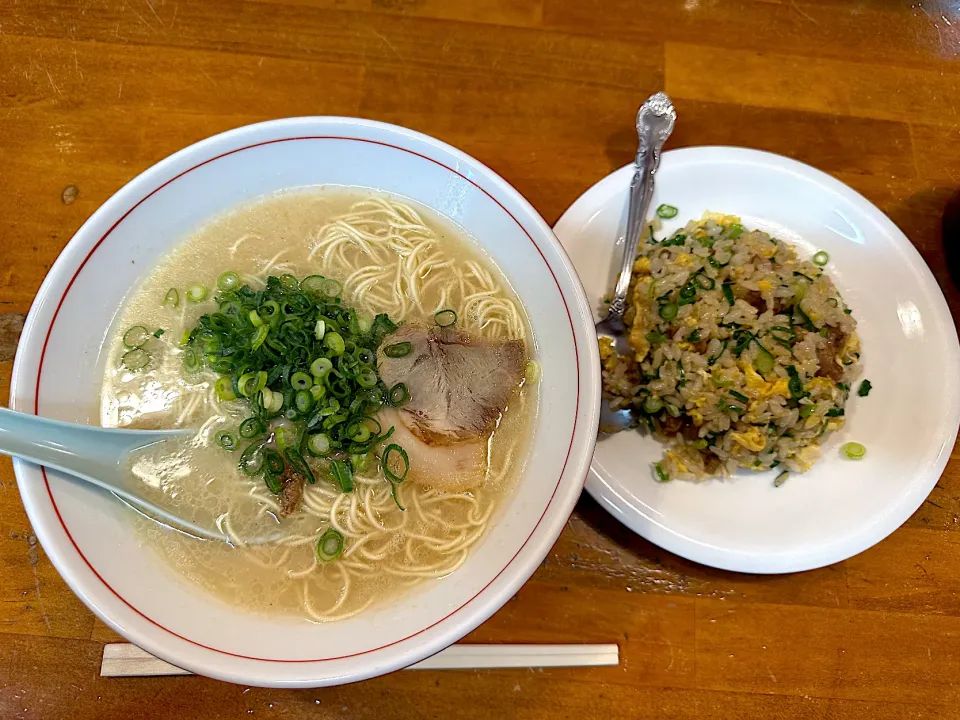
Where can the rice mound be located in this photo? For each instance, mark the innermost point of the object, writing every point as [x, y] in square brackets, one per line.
[740, 353]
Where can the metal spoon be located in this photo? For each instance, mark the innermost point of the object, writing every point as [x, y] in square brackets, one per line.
[655, 121]
[98, 456]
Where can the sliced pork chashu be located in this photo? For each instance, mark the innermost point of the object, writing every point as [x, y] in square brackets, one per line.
[459, 385]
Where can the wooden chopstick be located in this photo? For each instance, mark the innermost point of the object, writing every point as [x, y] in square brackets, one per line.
[127, 660]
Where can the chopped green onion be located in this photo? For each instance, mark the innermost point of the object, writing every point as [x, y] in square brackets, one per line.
[335, 343]
[172, 298]
[764, 362]
[783, 335]
[700, 444]
[342, 474]
[662, 475]
[360, 434]
[687, 294]
[299, 465]
[330, 546]
[227, 441]
[251, 427]
[704, 281]
[197, 293]
[224, 388]
[854, 450]
[445, 318]
[864, 389]
[366, 378]
[273, 482]
[158, 332]
[251, 460]
[667, 211]
[272, 461]
[295, 350]
[228, 280]
[735, 231]
[398, 350]
[319, 444]
[781, 479]
[694, 336]
[652, 404]
[269, 309]
[191, 360]
[795, 385]
[392, 476]
[807, 410]
[739, 396]
[331, 288]
[727, 407]
[312, 283]
[318, 391]
[668, 311]
[301, 381]
[320, 367]
[728, 291]
[135, 359]
[270, 400]
[655, 338]
[303, 401]
[259, 337]
[289, 282]
[531, 372]
[135, 337]
[821, 258]
[399, 395]
[251, 383]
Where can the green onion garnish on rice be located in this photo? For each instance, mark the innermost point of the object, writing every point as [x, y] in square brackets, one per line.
[667, 211]
[853, 450]
[668, 311]
[728, 291]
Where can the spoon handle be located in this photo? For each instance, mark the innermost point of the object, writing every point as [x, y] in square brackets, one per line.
[655, 122]
[93, 454]
[77, 449]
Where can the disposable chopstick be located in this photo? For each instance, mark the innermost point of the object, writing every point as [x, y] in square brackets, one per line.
[127, 660]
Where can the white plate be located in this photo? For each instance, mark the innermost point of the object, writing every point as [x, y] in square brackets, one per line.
[910, 354]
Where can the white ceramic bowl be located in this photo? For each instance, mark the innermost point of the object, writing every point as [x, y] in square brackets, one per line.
[87, 533]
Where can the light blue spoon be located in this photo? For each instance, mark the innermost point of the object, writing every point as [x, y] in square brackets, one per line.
[95, 455]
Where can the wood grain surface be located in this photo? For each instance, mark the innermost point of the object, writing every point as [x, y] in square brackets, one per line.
[92, 92]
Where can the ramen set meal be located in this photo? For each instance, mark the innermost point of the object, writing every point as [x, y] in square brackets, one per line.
[363, 378]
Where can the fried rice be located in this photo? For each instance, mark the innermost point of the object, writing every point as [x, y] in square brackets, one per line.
[741, 354]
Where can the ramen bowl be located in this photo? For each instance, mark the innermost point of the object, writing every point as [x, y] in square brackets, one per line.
[91, 538]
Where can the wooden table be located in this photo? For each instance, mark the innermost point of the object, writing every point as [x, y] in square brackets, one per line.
[544, 91]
